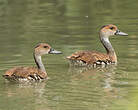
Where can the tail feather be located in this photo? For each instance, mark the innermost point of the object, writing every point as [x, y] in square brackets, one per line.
[11, 78]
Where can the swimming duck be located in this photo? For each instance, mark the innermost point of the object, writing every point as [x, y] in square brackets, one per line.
[32, 73]
[93, 58]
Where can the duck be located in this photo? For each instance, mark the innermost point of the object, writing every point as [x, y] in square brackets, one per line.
[27, 74]
[94, 58]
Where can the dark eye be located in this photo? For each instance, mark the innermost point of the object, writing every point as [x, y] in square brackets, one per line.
[45, 46]
[111, 28]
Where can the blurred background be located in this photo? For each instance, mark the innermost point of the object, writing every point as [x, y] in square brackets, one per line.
[69, 26]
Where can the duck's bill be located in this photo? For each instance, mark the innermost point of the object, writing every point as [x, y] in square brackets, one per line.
[121, 33]
[53, 51]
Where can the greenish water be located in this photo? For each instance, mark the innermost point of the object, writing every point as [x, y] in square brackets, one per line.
[69, 26]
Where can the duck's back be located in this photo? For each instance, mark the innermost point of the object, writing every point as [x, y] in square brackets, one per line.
[88, 58]
[26, 73]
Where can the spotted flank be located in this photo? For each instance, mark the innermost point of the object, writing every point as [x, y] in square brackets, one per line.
[34, 77]
[77, 63]
[30, 74]
[95, 64]
[29, 78]
[99, 62]
[24, 74]
[94, 58]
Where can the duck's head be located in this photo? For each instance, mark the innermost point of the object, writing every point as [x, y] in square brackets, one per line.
[44, 48]
[109, 30]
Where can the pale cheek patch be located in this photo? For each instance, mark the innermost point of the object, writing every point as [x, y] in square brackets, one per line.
[111, 32]
[43, 51]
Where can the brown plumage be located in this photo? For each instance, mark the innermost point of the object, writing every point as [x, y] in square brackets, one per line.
[25, 73]
[85, 58]
[89, 57]
[31, 73]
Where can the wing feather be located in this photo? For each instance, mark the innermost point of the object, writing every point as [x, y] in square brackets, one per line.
[89, 57]
[24, 72]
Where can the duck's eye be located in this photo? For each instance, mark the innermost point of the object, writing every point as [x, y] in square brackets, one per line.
[45, 46]
[111, 28]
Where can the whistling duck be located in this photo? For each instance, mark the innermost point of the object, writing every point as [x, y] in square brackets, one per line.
[32, 73]
[92, 58]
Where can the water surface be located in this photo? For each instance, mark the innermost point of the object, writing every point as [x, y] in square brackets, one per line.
[69, 26]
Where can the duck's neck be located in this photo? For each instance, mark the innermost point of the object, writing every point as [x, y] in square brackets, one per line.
[110, 50]
[39, 63]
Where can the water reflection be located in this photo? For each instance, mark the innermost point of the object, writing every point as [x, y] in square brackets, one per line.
[103, 76]
[89, 88]
[68, 25]
[32, 92]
